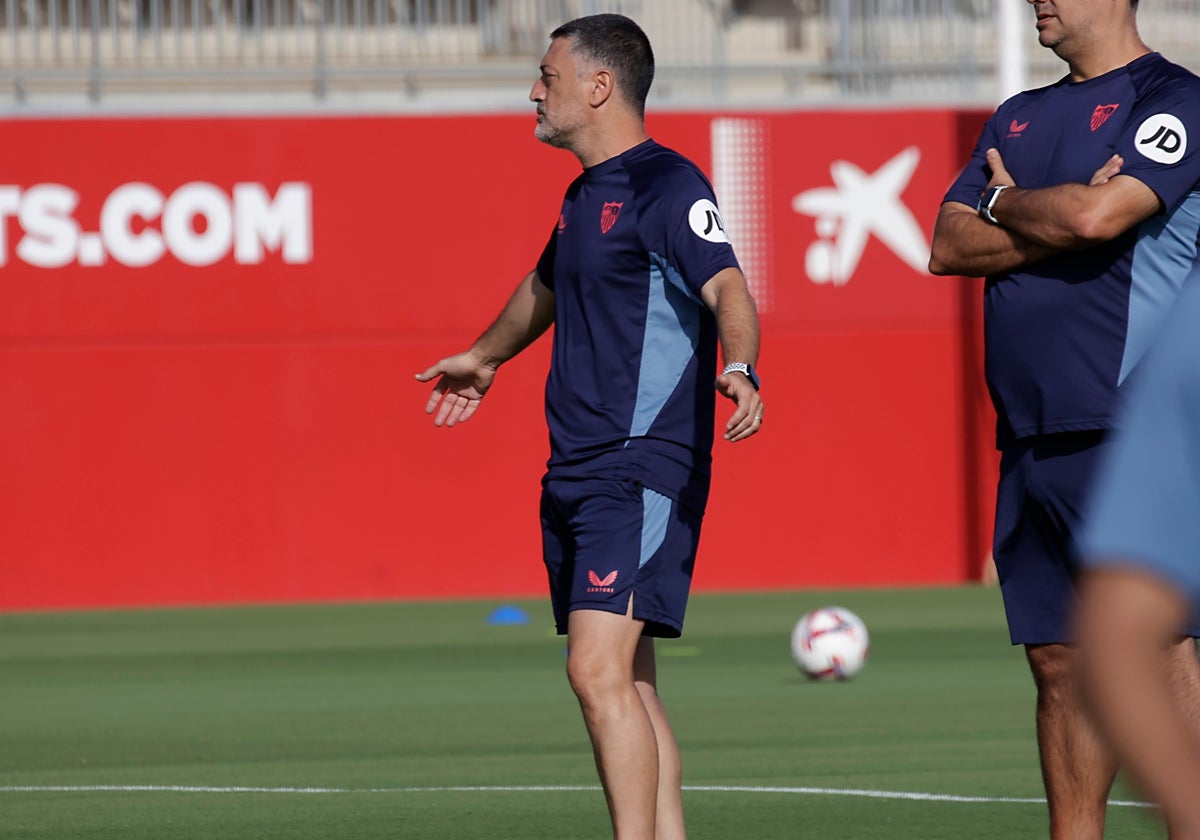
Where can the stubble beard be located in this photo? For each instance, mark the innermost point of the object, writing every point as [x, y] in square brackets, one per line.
[1066, 47]
[551, 135]
[1051, 36]
[546, 133]
[1051, 41]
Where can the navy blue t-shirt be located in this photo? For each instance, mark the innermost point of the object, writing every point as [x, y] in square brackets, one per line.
[630, 389]
[1063, 334]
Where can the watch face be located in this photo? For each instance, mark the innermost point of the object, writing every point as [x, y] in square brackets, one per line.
[986, 201]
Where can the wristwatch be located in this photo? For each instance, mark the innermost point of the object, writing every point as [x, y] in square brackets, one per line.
[742, 367]
[988, 200]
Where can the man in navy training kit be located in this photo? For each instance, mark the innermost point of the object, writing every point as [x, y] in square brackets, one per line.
[640, 281]
[1141, 552]
[1080, 206]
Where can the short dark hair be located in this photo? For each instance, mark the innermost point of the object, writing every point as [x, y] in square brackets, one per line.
[620, 45]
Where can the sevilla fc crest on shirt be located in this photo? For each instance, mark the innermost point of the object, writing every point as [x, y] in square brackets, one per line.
[1101, 114]
[609, 214]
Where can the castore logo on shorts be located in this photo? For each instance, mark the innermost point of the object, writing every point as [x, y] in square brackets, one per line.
[602, 584]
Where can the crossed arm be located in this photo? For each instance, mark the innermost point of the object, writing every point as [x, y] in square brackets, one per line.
[1036, 224]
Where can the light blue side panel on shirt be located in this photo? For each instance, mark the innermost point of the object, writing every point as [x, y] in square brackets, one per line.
[656, 513]
[1164, 259]
[672, 333]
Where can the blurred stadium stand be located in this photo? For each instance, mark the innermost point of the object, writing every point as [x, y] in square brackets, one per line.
[482, 53]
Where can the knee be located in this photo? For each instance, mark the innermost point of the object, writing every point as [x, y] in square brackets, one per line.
[592, 678]
[1053, 672]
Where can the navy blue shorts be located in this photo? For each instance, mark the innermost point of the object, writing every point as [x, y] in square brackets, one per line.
[1042, 495]
[605, 540]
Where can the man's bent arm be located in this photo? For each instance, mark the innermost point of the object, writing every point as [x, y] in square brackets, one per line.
[464, 379]
[1036, 224]
[528, 314]
[729, 299]
[966, 246]
[1073, 216]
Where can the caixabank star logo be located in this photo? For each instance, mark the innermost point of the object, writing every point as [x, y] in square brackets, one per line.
[795, 196]
[860, 205]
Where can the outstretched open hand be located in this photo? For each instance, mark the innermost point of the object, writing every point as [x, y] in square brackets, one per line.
[462, 382]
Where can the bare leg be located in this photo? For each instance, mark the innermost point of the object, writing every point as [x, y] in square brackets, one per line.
[1144, 686]
[1183, 669]
[669, 821]
[1183, 666]
[1078, 768]
[600, 656]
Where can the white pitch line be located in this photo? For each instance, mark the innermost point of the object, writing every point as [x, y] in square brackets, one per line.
[817, 791]
[900, 794]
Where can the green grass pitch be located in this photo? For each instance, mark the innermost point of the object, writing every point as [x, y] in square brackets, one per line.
[422, 720]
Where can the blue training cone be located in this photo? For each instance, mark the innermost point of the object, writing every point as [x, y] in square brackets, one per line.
[508, 614]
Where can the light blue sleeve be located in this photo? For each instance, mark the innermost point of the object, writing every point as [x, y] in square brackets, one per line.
[1145, 509]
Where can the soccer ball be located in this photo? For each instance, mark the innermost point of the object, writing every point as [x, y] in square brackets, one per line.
[830, 643]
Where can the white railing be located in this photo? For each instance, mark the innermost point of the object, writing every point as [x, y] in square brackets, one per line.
[433, 52]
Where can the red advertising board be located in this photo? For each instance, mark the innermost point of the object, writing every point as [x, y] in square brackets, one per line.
[209, 329]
